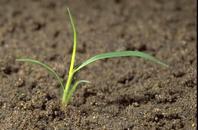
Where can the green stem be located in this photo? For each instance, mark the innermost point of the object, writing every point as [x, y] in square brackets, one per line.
[66, 90]
[71, 72]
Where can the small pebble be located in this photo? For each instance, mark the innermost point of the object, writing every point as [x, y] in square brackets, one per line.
[136, 104]
[19, 83]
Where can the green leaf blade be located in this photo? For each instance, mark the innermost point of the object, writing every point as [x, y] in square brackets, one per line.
[74, 41]
[48, 68]
[73, 89]
[71, 69]
[120, 54]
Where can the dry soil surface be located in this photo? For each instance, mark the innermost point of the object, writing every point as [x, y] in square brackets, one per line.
[125, 93]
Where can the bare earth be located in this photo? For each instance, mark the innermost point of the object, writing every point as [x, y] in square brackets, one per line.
[125, 93]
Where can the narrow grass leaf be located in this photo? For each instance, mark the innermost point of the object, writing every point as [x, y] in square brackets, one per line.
[74, 41]
[120, 54]
[48, 68]
[73, 89]
[71, 68]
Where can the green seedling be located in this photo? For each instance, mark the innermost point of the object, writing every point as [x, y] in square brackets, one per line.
[71, 85]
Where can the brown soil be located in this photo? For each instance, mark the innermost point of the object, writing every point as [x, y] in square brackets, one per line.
[125, 94]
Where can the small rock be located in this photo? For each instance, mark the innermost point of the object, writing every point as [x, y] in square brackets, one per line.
[19, 83]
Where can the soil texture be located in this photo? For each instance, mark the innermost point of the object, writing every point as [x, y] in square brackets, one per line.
[125, 93]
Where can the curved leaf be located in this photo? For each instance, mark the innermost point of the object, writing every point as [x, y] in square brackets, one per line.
[48, 68]
[74, 42]
[119, 54]
[73, 88]
[71, 68]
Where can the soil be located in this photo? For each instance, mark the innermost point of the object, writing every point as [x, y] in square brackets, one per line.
[125, 93]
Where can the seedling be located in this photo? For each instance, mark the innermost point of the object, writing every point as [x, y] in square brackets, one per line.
[70, 86]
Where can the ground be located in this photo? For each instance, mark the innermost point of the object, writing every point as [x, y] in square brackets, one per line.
[124, 93]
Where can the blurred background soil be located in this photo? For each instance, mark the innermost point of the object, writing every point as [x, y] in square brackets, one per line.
[125, 93]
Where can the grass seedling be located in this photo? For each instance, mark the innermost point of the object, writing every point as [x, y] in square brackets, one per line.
[70, 86]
